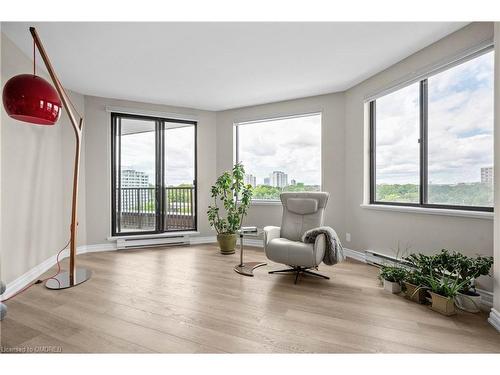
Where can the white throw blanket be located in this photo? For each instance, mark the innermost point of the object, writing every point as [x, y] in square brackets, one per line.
[334, 252]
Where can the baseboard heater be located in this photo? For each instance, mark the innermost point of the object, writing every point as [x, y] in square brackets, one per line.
[130, 243]
[378, 259]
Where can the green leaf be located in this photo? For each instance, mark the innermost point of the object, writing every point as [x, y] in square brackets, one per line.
[230, 191]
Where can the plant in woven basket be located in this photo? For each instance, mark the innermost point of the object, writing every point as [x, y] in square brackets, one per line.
[425, 264]
[415, 277]
[445, 285]
[414, 286]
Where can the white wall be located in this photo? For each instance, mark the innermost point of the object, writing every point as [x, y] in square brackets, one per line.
[381, 230]
[2, 270]
[36, 182]
[496, 265]
[332, 148]
[98, 154]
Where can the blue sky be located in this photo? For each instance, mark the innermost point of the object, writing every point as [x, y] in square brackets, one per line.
[460, 126]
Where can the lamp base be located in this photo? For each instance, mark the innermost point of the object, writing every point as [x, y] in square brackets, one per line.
[62, 280]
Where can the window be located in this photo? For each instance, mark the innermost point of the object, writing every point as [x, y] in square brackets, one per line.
[282, 154]
[397, 145]
[153, 175]
[432, 141]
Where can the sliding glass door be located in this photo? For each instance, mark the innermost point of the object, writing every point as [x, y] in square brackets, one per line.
[153, 175]
[179, 177]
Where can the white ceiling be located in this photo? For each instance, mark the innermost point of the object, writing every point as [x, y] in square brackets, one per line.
[217, 66]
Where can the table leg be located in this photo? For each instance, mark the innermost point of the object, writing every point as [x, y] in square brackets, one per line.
[246, 269]
[241, 249]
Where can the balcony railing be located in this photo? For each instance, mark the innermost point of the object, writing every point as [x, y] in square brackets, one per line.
[137, 209]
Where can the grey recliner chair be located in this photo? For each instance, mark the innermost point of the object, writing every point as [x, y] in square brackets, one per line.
[301, 212]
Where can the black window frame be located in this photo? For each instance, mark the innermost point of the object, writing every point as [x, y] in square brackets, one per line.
[159, 165]
[423, 143]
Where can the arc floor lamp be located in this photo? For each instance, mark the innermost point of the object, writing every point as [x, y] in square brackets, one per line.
[30, 98]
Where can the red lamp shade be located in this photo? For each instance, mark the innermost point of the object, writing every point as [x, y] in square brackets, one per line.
[29, 98]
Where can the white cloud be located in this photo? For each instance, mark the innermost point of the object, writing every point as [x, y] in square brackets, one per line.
[290, 145]
[460, 127]
[180, 155]
[138, 152]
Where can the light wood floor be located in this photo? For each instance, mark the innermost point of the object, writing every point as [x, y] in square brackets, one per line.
[189, 300]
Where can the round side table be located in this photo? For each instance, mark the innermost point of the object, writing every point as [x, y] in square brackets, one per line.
[246, 268]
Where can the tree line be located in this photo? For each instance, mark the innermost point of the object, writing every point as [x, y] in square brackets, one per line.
[466, 194]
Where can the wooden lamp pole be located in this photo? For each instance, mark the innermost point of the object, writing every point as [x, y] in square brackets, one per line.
[75, 275]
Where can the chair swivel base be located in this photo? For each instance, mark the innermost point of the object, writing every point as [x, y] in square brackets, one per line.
[62, 281]
[300, 270]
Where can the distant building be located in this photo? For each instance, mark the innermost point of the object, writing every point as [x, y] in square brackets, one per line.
[293, 182]
[267, 181]
[250, 179]
[130, 178]
[487, 175]
[279, 179]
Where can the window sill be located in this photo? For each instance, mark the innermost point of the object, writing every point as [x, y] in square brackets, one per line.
[158, 235]
[430, 211]
[263, 202]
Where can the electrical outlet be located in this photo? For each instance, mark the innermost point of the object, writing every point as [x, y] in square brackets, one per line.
[348, 237]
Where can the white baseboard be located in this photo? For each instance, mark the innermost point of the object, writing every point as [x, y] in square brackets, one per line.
[202, 240]
[494, 319]
[96, 248]
[16, 285]
[486, 299]
[25, 279]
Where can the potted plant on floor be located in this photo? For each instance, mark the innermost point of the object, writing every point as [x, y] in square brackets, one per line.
[443, 290]
[421, 266]
[469, 268]
[414, 286]
[392, 277]
[234, 195]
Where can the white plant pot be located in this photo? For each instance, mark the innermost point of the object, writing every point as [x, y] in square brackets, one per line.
[468, 303]
[392, 287]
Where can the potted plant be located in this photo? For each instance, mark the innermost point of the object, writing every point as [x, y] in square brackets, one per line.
[424, 264]
[469, 268]
[392, 277]
[443, 290]
[414, 286]
[234, 196]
